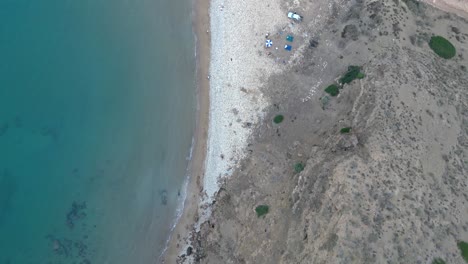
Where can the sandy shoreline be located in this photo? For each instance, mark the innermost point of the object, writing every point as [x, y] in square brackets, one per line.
[201, 25]
[230, 53]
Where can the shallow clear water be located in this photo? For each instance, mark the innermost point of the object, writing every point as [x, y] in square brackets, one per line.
[97, 101]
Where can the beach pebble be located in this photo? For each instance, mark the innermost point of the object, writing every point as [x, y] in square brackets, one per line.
[244, 75]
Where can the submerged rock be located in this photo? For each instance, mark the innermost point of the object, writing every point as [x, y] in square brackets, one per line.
[163, 195]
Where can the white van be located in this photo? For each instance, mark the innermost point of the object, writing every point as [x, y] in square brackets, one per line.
[295, 16]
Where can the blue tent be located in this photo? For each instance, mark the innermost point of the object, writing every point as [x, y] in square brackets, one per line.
[289, 38]
[287, 47]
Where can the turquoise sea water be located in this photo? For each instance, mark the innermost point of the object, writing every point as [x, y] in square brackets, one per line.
[97, 102]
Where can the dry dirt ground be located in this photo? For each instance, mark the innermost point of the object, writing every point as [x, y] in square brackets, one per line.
[394, 190]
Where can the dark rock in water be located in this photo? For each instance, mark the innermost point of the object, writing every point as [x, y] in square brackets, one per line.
[61, 247]
[4, 129]
[50, 132]
[68, 248]
[76, 213]
[189, 251]
[163, 195]
[8, 188]
[18, 122]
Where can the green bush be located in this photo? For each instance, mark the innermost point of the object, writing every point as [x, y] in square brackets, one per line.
[332, 90]
[438, 261]
[324, 100]
[299, 167]
[345, 130]
[360, 75]
[278, 119]
[353, 72]
[442, 47]
[463, 246]
[261, 210]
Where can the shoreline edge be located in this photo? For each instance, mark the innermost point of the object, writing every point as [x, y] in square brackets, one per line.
[201, 28]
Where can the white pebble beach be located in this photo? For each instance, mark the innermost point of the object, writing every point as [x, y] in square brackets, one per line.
[238, 31]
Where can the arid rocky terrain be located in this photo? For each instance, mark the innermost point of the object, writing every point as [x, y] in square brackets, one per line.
[394, 189]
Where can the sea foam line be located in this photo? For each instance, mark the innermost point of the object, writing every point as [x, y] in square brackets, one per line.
[183, 196]
[180, 202]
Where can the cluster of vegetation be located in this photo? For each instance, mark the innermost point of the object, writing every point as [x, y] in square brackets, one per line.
[278, 119]
[438, 261]
[299, 167]
[463, 246]
[345, 130]
[261, 210]
[415, 6]
[332, 90]
[442, 47]
[354, 72]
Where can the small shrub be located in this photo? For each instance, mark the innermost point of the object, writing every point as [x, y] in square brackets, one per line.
[463, 246]
[299, 167]
[442, 47]
[438, 261]
[353, 72]
[324, 100]
[345, 130]
[261, 210]
[278, 119]
[360, 75]
[415, 6]
[332, 90]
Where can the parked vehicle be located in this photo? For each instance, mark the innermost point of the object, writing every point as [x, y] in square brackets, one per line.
[294, 16]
